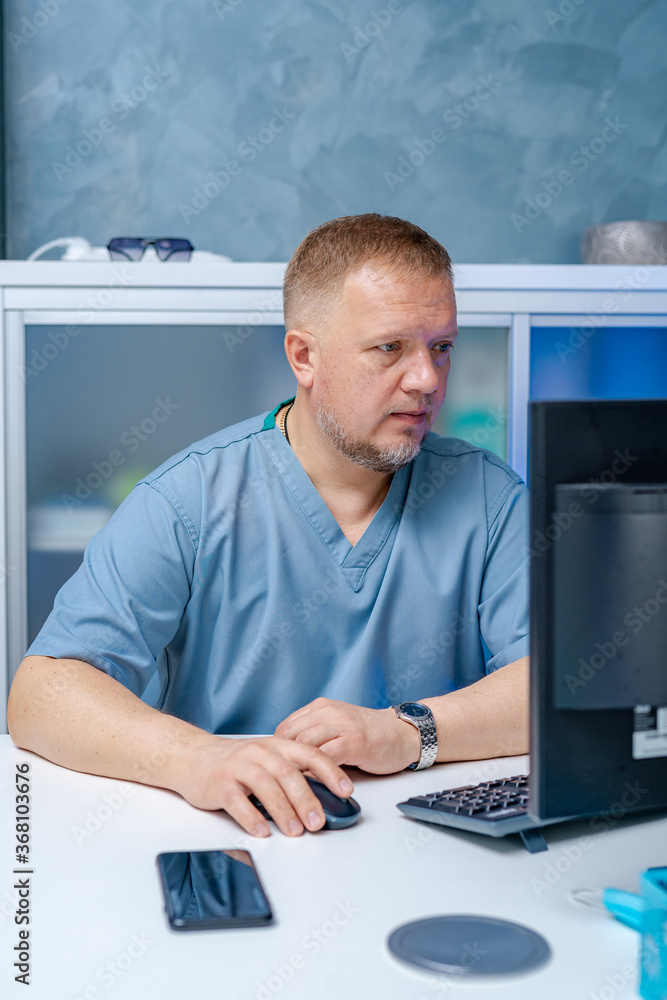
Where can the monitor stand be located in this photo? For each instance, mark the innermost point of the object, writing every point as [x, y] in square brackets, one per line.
[533, 841]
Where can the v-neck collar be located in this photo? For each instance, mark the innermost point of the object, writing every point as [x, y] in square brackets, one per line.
[353, 560]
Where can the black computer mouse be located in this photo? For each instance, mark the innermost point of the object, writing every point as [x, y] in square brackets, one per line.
[338, 812]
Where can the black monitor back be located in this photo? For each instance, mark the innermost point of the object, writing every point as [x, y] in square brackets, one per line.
[598, 679]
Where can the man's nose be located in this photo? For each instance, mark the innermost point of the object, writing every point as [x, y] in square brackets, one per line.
[422, 373]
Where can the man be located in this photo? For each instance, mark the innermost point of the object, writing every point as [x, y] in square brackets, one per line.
[303, 571]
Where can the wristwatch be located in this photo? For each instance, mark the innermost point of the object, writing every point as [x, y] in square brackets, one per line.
[421, 717]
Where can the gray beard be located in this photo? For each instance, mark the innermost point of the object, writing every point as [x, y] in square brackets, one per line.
[365, 453]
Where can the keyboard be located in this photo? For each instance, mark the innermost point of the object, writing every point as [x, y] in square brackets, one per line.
[495, 808]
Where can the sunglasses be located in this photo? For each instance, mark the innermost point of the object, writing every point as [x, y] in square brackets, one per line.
[133, 248]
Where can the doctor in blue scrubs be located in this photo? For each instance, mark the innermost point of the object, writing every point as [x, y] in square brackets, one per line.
[329, 571]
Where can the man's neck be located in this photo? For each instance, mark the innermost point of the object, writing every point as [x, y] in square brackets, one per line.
[352, 493]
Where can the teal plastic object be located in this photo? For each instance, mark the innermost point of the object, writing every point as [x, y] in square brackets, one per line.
[646, 913]
[626, 907]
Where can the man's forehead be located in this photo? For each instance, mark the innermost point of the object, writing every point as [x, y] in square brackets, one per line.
[378, 302]
[378, 286]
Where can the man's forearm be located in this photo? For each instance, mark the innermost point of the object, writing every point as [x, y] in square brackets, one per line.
[77, 716]
[490, 718]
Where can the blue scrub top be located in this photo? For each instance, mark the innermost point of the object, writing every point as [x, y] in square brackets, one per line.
[225, 571]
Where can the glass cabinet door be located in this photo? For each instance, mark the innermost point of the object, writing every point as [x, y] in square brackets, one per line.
[598, 362]
[476, 407]
[112, 405]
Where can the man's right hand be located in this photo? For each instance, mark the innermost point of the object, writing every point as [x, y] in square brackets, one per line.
[80, 717]
[220, 773]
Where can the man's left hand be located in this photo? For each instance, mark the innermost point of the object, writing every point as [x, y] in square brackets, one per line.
[375, 740]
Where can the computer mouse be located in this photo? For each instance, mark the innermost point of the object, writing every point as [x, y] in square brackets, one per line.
[338, 812]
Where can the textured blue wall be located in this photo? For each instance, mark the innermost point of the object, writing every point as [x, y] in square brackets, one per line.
[485, 121]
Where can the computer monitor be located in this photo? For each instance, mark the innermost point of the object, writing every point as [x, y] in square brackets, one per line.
[598, 607]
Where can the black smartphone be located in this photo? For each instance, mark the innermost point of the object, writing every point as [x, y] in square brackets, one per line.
[208, 889]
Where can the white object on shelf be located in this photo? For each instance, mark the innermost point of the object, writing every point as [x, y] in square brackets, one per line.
[78, 248]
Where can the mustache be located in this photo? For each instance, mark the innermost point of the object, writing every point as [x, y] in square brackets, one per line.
[426, 407]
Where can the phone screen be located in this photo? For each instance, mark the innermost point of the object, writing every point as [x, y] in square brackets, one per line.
[207, 889]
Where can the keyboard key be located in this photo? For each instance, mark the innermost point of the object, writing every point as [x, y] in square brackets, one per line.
[446, 807]
[502, 813]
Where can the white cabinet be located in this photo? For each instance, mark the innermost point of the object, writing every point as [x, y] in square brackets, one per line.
[108, 369]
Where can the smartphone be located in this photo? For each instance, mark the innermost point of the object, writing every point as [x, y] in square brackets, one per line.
[208, 889]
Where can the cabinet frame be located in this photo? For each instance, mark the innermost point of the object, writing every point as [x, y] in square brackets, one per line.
[517, 296]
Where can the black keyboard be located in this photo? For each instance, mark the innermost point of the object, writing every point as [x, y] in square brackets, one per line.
[495, 808]
[490, 800]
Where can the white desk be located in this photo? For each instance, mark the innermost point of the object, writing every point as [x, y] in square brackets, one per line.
[94, 897]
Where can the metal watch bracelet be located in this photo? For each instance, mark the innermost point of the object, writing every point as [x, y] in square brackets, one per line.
[420, 716]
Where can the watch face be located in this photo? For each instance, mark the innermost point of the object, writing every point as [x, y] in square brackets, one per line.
[414, 710]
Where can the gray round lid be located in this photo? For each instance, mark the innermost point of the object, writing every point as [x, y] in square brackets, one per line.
[469, 945]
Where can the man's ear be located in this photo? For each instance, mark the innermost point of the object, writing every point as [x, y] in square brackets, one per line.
[303, 354]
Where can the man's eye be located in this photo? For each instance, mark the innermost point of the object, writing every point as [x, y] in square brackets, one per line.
[390, 347]
[443, 348]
